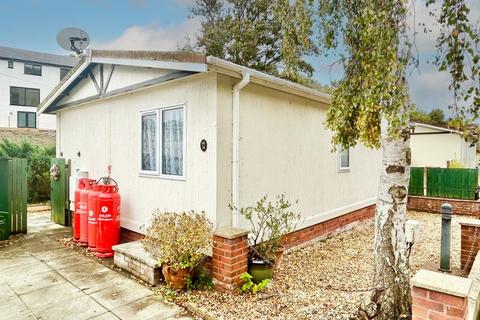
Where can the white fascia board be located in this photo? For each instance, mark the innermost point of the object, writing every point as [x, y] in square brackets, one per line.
[265, 79]
[172, 65]
[435, 127]
[65, 85]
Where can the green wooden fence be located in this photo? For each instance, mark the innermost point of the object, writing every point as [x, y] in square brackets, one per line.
[59, 192]
[452, 183]
[416, 186]
[13, 197]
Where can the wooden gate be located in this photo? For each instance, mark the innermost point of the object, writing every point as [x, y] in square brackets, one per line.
[59, 191]
[13, 197]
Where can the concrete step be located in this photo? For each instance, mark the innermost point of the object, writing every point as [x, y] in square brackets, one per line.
[133, 258]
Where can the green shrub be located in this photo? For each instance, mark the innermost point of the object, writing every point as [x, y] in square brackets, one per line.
[38, 159]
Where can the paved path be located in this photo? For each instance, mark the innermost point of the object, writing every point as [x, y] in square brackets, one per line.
[41, 279]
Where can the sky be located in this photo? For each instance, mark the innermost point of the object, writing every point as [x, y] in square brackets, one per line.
[164, 24]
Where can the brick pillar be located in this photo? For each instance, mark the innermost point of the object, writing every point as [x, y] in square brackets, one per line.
[470, 244]
[439, 296]
[230, 257]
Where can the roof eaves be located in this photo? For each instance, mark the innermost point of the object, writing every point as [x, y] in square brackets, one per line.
[263, 78]
[416, 123]
[82, 64]
[34, 56]
[172, 56]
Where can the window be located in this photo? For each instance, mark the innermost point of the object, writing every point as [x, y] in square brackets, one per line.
[24, 96]
[172, 142]
[344, 159]
[26, 119]
[33, 69]
[163, 132]
[10, 64]
[149, 142]
[63, 72]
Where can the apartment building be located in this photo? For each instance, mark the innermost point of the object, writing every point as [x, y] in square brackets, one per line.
[26, 78]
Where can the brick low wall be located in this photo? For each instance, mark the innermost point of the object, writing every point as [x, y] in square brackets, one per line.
[470, 243]
[329, 227]
[129, 235]
[230, 248]
[460, 207]
[431, 304]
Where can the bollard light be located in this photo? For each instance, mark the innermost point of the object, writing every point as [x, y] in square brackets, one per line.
[447, 212]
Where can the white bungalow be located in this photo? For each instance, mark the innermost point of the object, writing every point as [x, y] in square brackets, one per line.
[434, 146]
[184, 132]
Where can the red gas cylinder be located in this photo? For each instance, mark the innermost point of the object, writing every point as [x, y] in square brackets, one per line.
[83, 213]
[76, 217]
[108, 227]
[92, 209]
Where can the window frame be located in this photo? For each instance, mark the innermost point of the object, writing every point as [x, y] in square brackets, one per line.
[25, 96]
[157, 117]
[64, 69]
[344, 169]
[159, 112]
[26, 119]
[33, 68]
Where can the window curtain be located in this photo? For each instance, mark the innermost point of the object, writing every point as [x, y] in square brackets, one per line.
[149, 142]
[172, 142]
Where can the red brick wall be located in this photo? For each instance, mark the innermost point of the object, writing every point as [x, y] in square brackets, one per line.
[129, 235]
[229, 261]
[461, 207]
[328, 227]
[429, 304]
[469, 246]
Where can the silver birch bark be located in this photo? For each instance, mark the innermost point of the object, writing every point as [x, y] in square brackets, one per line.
[391, 298]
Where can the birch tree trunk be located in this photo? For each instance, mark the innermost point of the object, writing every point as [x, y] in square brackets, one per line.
[391, 298]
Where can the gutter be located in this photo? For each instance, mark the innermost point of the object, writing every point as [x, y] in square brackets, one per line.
[271, 81]
[236, 145]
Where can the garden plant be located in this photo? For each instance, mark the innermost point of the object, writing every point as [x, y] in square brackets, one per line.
[179, 242]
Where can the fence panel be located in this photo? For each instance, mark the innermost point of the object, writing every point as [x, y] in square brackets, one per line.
[13, 197]
[453, 183]
[18, 196]
[4, 196]
[416, 186]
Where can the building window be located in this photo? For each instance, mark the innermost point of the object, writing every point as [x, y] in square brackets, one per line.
[172, 142]
[344, 160]
[24, 96]
[10, 64]
[149, 142]
[168, 137]
[26, 119]
[33, 69]
[63, 72]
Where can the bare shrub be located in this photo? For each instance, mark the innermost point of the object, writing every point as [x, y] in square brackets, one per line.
[179, 240]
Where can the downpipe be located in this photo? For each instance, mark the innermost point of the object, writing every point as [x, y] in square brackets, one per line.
[236, 146]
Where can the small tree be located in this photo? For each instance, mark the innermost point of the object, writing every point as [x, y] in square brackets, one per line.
[38, 159]
[269, 36]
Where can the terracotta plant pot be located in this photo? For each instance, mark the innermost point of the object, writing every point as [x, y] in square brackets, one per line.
[175, 278]
[279, 256]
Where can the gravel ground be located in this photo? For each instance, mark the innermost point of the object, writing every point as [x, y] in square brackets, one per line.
[321, 280]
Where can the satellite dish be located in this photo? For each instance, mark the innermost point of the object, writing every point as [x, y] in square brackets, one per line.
[73, 39]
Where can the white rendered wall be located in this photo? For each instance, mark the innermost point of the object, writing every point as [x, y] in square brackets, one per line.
[284, 148]
[108, 132]
[15, 77]
[434, 150]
